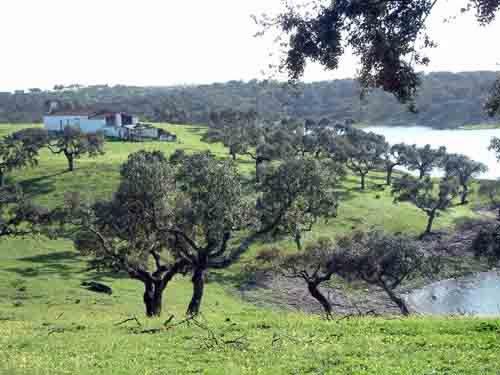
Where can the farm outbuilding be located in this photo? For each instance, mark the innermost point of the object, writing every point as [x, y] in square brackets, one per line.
[112, 124]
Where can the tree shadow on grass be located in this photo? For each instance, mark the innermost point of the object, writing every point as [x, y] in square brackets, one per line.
[344, 195]
[64, 264]
[40, 185]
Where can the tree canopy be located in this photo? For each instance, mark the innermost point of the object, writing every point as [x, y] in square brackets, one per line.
[464, 169]
[424, 159]
[363, 152]
[20, 149]
[424, 194]
[389, 36]
[73, 143]
[190, 215]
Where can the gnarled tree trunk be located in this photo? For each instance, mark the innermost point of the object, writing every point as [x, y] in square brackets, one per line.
[153, 297]
[464, 195]
[430, 221]
[388, 179]
[396, 299]
[315, 292]
[198, 289]
[298, 240]
[363, 184]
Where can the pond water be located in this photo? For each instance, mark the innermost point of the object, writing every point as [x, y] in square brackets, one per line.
[477, 295]
[473, 143]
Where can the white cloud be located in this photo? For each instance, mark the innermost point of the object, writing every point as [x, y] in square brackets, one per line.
[152, 42]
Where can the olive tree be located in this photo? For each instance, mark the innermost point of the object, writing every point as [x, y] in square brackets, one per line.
[395, 156]
[234, 129]
[424, 159]
[20, 149]
[73, 143]
[363, 152]
[310, 184]
[424, 194]
[464, 170]
[125, 233]
[315, 265]
[487, 243]
[384, 260]
[19, 216]
[490, 189]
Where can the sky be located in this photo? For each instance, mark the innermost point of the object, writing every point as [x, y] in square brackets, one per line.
[171, 42]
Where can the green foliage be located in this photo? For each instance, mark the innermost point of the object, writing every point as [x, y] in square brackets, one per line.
[424, 195]
[425, 159]
[445, 100]
[487, 243]
[235, 130]
[384, 260]
[297, 193]
[363, 152]
[491, 190]
[397, 155]
[73, 143]
[389, 37]
[51, 325]
[464, 170]
[128, 233]
[20, 149]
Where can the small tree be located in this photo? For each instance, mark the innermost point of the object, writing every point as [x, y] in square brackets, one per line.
[395, 156]
[319, 199]
[487, 243]
[491, 189]
[464, 170]
[73, 144]
[425, 159]
[315, 266]
[234, 129]
[18, 216]
[383, 260]
[363, 152]
[124, 235]
[426, 196]
[20, 149]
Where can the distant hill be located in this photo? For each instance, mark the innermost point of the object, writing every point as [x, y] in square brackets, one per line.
[446, 100]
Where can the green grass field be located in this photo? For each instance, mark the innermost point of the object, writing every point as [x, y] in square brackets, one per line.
[49, 324]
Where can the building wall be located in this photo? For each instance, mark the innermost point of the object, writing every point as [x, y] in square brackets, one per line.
[57, 123]
[92, 126]
[115, 132]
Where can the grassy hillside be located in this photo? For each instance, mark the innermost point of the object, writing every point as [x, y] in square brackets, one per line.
[49, 324]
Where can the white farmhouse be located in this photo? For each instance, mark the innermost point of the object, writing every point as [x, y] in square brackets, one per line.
[112, 124]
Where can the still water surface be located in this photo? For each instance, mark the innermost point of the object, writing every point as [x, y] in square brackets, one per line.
[473, 143]
[473, 295]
